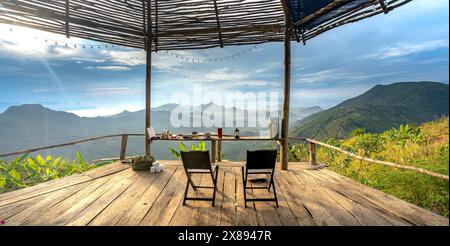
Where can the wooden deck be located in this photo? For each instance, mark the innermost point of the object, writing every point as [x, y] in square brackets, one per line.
[116, 195]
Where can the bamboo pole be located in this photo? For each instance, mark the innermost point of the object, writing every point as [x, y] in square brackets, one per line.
[67, 19]
[148, 79]
[284, 157]
[219, 150]
[213, 150]
[218, 24]
[312, 153]
[386, 163]
[123, 146]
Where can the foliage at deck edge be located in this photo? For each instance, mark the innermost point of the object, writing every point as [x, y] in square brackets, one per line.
[25, 171]
[425, 146]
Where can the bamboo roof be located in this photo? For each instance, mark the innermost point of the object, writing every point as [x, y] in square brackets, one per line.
[189, 24]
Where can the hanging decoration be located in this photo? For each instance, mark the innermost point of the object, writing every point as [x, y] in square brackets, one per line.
[209, 60]
[180, 57]
[71, 44]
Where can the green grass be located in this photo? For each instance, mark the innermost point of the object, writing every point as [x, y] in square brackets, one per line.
[425, 146]
[25, 171]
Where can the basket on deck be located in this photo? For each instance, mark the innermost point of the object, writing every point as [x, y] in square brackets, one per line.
[142, 162]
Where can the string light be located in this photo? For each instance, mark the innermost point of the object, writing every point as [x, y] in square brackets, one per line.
[69, 44]
[175, 55]
[208, 60]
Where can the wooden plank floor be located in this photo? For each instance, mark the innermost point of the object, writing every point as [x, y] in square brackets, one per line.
[116, 195]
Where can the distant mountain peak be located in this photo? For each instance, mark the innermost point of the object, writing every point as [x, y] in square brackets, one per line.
[24, 108]
[27, 106]
[378, 109]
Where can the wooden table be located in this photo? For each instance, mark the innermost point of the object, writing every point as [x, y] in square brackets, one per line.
[216, 143]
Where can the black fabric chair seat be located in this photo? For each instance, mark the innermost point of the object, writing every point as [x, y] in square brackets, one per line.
[198, 162]
[260, 162]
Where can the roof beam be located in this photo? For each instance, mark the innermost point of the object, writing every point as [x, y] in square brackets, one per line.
[144, 24]
[218, 23]
[67, 18]
[46, 13]
[156, 26]
[183, 24]
[251, 28]
[383, 6]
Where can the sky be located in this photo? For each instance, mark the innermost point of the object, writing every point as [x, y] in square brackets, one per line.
[408, 44]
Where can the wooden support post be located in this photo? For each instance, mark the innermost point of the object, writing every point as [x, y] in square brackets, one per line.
[312, 153]
[218, 24]
[67, 19]
[123, 147]
[144, 24]
[219, 150]
[213, 151]
[148, 79]
[156, 25]
[284, 148]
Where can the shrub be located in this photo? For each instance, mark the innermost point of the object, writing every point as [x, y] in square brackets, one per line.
[426, 146]
[200, 146]
[25, 171]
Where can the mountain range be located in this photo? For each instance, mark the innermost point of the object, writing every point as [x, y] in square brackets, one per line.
[378, 109]
[33, 125]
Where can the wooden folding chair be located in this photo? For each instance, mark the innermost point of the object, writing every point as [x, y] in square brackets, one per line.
[199, 162]
[260, 162]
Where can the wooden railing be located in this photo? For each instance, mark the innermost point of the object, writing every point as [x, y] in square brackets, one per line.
[122, 153]
[312, 152]
[313, 160]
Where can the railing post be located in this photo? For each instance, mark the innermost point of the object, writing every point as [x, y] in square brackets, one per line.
[123, 147]
[219, 150]
[213, 151]
[312, 153]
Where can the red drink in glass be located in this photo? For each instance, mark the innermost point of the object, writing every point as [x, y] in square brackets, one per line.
[219, 132]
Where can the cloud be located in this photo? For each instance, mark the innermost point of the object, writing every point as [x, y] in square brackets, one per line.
[110, 91]
[42, 90]
[110, 68]
[129, 57]
[343, 74]
[225, 74]
[330, 74]
[326, 97]
[246, 83]
[104, 110]
[408, 49]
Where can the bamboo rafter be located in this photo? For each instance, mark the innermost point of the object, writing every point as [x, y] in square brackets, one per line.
[178, 24]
